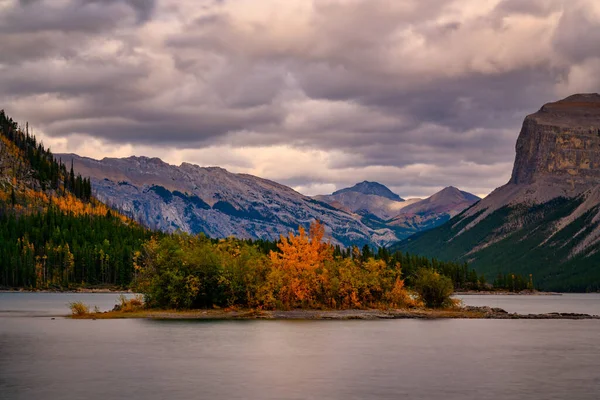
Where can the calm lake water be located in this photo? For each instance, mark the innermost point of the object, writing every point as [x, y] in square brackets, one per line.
[568, 302]
[41, 358]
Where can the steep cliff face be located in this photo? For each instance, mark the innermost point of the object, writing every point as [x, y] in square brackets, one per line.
[214, 201]
[546, 219]
[557, 155]
[560, 144]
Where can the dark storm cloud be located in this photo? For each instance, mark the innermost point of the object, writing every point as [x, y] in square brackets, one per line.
[432, 88]
[69, 17]
[161, 128]
[143, 8]
[34, 30]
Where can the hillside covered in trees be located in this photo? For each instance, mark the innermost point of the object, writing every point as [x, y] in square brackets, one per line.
[53, 232]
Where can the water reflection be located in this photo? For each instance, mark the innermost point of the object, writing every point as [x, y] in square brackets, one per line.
[42, 358]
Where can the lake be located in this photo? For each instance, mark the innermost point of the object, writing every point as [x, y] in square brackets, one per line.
[538, 304]
[42, 358]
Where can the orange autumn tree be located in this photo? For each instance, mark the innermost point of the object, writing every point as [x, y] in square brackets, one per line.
[305, 274]
[299, 276]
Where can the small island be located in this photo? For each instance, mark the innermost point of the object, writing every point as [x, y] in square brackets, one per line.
[302, 314]
[192, 277]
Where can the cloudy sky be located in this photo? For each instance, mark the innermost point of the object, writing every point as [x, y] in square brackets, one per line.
[318, 95]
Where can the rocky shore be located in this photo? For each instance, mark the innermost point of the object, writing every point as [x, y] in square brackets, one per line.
[505, 293]
[459, 313]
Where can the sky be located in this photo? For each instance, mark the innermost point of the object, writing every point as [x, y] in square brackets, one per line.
[317, 95]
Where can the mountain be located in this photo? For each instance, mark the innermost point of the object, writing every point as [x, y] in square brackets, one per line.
[216, 202]
[546, 220]
[380, 207]
[433, 211]
[368, 199]
[449, 201]
[373, 188]
[219, 203]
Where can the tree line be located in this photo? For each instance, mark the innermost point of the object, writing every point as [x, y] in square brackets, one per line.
[54, 249]
[513, 282]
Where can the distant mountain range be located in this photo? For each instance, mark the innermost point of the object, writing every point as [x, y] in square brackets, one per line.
[219, 203]
[214, 201]
[546, 220]
[378, 206]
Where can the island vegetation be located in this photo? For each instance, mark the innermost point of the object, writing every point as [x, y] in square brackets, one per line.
[183, 272]
[302, 272]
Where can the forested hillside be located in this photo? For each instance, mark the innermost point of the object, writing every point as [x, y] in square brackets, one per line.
[53, 232]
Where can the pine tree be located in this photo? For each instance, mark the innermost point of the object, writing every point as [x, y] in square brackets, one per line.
[72, 178]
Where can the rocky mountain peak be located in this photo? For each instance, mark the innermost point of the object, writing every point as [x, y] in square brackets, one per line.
[449, 191]
[449, 200]
[374, 188]
[558, 145]
[580, 111]
[453, 194]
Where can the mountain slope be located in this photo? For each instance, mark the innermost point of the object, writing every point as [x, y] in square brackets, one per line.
[216, 202]
[433, 211]
[546, 219]
[53, 234]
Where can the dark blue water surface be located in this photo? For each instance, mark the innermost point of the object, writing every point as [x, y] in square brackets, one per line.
[42, 358]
